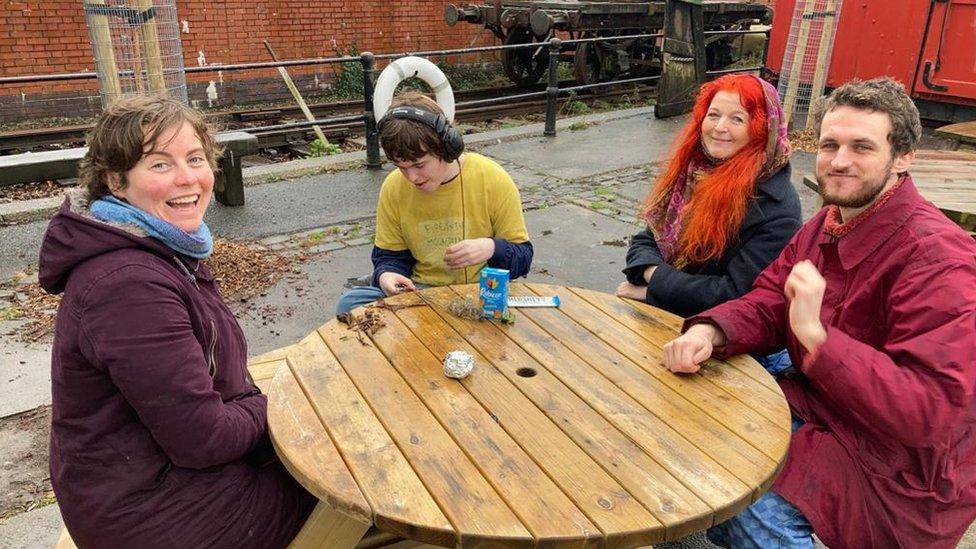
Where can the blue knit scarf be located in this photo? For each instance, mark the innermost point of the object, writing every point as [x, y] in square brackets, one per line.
[198, 244]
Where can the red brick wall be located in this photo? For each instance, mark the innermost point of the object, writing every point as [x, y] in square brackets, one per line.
[51, 36]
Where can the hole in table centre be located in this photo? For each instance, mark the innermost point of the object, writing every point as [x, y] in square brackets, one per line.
[526, 372]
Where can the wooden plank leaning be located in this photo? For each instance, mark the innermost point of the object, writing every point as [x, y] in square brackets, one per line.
[297, 95]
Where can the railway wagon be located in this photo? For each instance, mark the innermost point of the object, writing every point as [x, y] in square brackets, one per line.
[523, 22]
[928, 45]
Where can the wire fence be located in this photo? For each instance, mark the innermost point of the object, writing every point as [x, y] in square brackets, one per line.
[807, 56]
[137, 48]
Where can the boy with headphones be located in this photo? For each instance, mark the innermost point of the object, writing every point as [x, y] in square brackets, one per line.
[442, 215]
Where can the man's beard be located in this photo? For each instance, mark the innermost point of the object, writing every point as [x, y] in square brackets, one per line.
[866, 195]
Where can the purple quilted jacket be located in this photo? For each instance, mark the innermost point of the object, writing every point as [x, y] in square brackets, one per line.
[159, 437]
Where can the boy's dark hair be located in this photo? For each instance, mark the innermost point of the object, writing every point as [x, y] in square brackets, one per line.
[877, 95]
[406, 140]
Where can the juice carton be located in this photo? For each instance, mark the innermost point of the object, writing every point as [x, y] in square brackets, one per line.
[494, 293]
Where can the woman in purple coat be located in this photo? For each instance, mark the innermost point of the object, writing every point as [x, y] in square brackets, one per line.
[159, 438]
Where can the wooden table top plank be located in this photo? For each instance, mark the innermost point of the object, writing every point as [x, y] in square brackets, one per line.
[307, 451]
[749, 400]
[960, 162]
[732, 450]
[761, 405]
[541, 505]
[963, 189]
[623, 516]
[661, 459]
[263, 372]
[400, 502]
[949, 198]
[654, 315]
[270, 356]
[648, 443]
[711, 479]
[468, 500]
[933, 154]
[579, 345]
[721, 404]
[936, 176]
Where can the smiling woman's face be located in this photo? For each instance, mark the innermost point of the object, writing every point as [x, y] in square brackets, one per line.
[173, 182]
[725, 129]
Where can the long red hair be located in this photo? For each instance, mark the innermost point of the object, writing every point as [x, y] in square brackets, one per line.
[718, 204]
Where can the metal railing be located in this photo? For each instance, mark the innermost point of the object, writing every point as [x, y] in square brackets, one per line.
[368, 62]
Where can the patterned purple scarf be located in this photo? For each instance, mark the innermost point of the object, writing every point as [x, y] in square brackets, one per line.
[666, 220]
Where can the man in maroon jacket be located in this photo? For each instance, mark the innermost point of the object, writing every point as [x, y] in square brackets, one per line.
[875, 298]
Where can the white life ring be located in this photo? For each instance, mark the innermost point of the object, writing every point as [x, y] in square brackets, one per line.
[407, 67]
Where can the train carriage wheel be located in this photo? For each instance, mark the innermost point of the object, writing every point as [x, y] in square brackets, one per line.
[524, 66]
[587, 68]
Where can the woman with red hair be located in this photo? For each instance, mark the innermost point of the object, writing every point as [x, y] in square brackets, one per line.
[724, 207]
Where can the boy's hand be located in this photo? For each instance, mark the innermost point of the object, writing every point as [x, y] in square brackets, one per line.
[469, 252]
[395, 283]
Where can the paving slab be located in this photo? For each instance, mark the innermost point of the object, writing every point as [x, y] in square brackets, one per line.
[21, 210]
[37, 529]
[25, 375]
[19, 247]
[599, 148]
[298, 304]
[577, 246]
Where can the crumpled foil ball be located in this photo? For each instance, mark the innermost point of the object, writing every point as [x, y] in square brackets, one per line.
[458, 364]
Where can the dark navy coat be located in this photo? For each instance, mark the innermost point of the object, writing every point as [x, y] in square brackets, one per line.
[772, 219]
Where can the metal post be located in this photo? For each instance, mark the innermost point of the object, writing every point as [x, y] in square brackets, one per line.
[552, 92]
[762, 73]
[373, 160]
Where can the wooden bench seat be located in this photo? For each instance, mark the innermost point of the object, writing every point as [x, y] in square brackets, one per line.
[945, 178]
[63, 164]
[962, 134]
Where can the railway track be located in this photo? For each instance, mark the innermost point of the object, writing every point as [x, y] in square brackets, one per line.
[36, 139]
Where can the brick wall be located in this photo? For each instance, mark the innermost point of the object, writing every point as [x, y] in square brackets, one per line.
[51, 36]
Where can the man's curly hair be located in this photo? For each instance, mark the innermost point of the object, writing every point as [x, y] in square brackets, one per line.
[877, 95]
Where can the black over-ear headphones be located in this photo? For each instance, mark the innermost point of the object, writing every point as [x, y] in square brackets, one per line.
[449, 136]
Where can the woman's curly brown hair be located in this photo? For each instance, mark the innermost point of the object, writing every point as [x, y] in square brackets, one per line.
[128, 130]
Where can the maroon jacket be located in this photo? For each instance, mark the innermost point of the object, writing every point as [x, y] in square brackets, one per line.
[887, 456]
[158, 437]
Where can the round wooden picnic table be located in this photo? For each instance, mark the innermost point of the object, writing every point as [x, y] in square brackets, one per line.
[568, 433]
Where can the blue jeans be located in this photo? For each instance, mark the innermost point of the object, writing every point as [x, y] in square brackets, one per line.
[776, 364]
[356, 296]
[769, 522]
